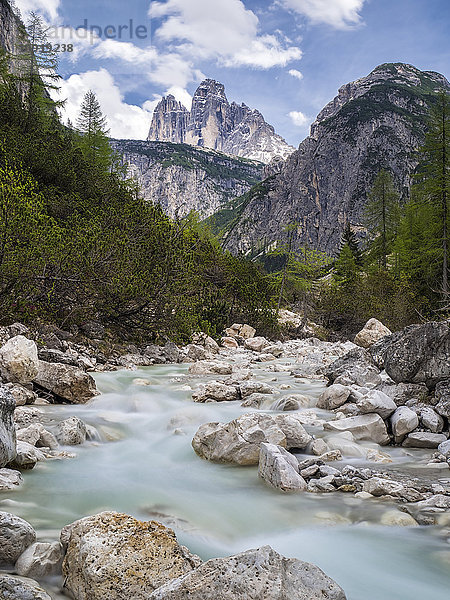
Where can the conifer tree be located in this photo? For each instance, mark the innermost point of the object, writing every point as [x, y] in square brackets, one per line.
[94, 133]
[382, 215]
[349, 239]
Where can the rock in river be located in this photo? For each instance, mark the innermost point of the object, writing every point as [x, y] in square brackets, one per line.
[260, 574]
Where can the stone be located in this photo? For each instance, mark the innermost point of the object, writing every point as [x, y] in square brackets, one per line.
[423, 439]
[71, 432]
[247, 332]
[207, 367]
[21, 394]
[319, 446]
[436, 501]
[198, 352]
[27, 456]
[296, 435]
[275, 349]
[216, 391]
[355, 367]
[323, 484]
[255, 400]
[431, 420]
[444, 448]
[10, 480]
[201, 339]
[375, 401]
[279, 469]
[18, 588]
[364, 427]
[19, 360]
[260, 574]
[41, 559]
[290, 403]
[333, 397]
[345, 443]
[54, 355]
[229, 342]
[379, 486]
[404, 392]
[16, 535]
[239, 441]
[116, 557]
[254, 387]
[66, 382]
[7, 429]
[419, 354]
[372, 332]
[395, 518]
[256, 344]
[27, 415]
[403, 421]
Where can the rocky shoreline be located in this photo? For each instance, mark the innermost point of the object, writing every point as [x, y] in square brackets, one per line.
[386, 391]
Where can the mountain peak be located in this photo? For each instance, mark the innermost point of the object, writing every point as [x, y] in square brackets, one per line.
[214, 123]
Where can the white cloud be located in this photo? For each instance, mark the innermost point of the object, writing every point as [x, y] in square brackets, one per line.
[298, 118]
[296, 74]
[181, 95]
[340, 14]
[225, 31]
[124, 120]
[48, 8]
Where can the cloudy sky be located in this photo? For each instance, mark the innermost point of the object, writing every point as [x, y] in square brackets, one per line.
[285, 57]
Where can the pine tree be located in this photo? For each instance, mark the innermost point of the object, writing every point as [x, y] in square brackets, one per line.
[349, 239]
[382, 215]
[434, 182]
[37, 66]
[92, 125]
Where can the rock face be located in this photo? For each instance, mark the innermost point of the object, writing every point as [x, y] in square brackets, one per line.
[114, 556]
[419, 354]
[7, 429]
[253, 575]
[181, 178]
[67, 382]
[215, 123]
[376, 121]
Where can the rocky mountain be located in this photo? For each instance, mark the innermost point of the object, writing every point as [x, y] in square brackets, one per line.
[12, 32]
[376, 122]
[182, 178]
[214, 123]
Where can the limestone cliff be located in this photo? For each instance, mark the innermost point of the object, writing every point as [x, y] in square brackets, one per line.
[376, 122]
[214, 123]
[182, 178]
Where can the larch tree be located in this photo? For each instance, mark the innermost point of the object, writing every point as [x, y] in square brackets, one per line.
[92, 126]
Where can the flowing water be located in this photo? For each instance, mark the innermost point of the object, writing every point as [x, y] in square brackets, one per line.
[144, 465]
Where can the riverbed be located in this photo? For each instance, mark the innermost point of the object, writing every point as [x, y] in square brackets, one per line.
[142, 463]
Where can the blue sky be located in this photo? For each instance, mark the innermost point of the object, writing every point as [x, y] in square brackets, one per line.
[285, 57]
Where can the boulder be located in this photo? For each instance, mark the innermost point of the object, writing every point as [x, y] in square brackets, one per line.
[18, 588]
[229, 342]
[379, 486]
[19, 360]
[442, 393]
[395, 518]
[290, 403]
[41, 559]
[207, 367]
[260, 574]
[66, 382]
[21, 394]
[372, 332]
[113, 556]
[239, 441]
[71, 432]
[198, 352]
[431, 419]
[10, 480]
[403, 421]
[419, 354]
[423, 439]
[279, 469]
[355, 367]
[254, 387]
[16, 535]
[363, 427]
[36, 435]
[7, 429]
[296, 435]
[201, 339]
[375, 401]
[255, 400]
[443, 448]
[27, 456]
[275, 349]
[216, 391]
[404, 392]
[257, 344]
[334, 396]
